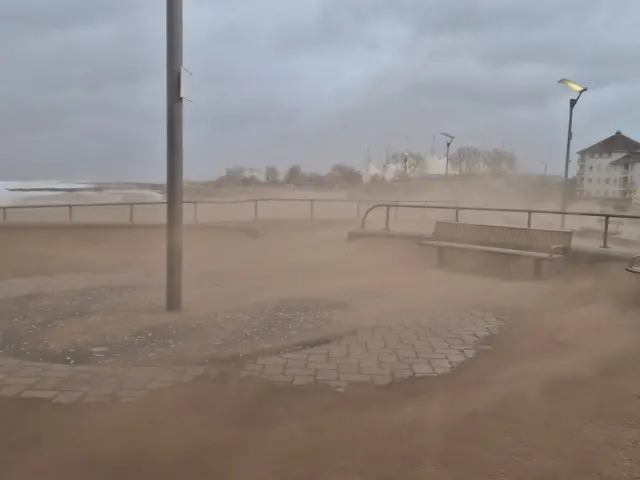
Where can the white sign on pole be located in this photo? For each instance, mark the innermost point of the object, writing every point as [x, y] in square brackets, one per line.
[185, 84]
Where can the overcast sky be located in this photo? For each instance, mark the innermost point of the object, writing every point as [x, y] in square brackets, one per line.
[313, 82]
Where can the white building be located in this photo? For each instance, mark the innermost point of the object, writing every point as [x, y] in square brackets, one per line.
[609, 168]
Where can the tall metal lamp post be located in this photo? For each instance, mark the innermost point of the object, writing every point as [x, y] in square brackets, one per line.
[175, 96]
[450, 139]
[572, 104]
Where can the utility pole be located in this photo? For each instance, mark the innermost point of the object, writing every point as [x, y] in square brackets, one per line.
[174, 155]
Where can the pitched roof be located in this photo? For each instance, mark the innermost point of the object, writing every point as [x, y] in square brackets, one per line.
[630, 158]
[618, 142]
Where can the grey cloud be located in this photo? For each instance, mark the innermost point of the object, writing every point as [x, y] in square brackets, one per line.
[306, 81]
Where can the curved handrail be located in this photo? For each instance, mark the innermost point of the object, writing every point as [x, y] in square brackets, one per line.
[459, 208]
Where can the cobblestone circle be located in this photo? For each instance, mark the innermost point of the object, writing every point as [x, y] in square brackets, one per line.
[379, 355]
[383, 355]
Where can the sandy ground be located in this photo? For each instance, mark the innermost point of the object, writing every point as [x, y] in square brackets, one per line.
[556, 396]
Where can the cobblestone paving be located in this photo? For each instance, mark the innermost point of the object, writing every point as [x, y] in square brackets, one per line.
[72, 383]
[382, 355]
[379, 355]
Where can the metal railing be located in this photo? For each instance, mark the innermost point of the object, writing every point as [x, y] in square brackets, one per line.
[530, 212]
[195, 204]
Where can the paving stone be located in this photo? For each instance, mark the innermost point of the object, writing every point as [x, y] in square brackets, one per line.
[304, 380]
[407, 354]
[402, 374]
[373, 371]
[327, 375]
[12, 390]
[47, 384]
[44, 394]
[437, 363]
[322, 365]
[348, 368]
[68, 397]
[24, 381]
[354, 377]
[271, 361]
[296, 356]
[338, 351]
[299, 371]
[318, 358]
[273, 369]
[295, 363]
[423, 369]
[456, 358]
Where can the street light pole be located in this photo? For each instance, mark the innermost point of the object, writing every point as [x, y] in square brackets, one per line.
[572, 105]
[174, 156]
[450, 139]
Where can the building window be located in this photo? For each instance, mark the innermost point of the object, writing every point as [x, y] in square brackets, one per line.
[589, 180]
[599, 169]
[591, 168]
[606, 180]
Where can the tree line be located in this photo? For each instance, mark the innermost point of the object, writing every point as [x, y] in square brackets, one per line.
[339, 175]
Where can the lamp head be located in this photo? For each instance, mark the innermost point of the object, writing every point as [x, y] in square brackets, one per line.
[576, 87]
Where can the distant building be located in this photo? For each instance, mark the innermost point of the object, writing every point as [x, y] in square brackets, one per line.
[609, 168]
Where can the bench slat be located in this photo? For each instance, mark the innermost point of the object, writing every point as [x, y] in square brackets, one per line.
[501, 236]
[481, 248]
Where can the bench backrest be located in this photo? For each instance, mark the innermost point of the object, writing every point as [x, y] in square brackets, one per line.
[517, 238]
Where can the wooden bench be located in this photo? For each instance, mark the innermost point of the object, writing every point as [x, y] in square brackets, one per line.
[634, 265]
[537, 244]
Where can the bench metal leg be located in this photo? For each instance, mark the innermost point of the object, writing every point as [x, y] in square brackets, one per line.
[537, 268]
[441, 257]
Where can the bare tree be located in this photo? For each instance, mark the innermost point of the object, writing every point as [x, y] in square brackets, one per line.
[294, 176]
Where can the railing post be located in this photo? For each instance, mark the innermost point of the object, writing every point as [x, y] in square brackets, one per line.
[4, 214]
[131, 213]
[606, 232]
[311, 204]
[195, 212]
[255, 209]
[528, 219]
[395, 210]
[457, 215]
[386, 222]
[70, 213]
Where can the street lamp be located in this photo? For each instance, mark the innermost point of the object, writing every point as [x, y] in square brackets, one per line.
[175, 85]
[572, 104]
[449, 142]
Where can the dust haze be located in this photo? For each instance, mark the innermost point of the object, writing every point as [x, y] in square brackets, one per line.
[98, 381]
[563, 360]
